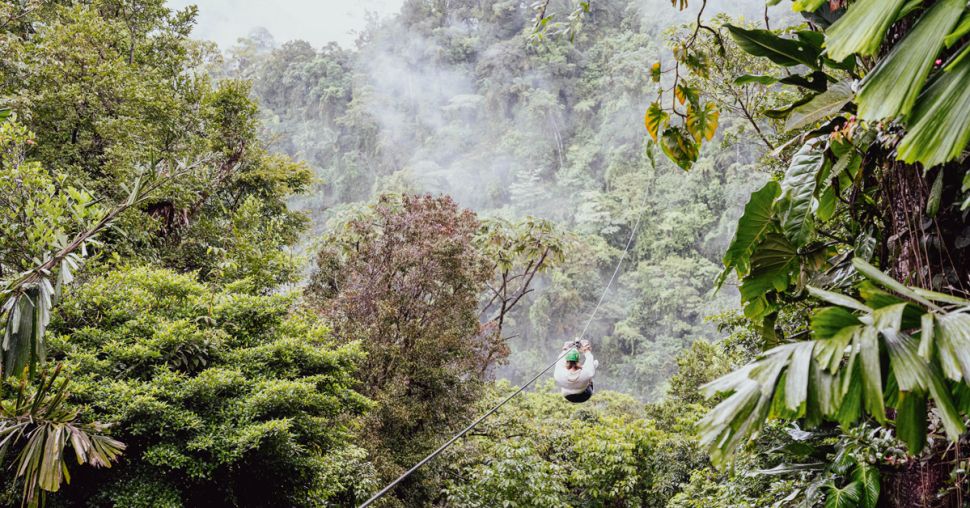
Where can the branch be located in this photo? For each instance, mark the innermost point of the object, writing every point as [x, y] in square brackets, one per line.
[138, 195]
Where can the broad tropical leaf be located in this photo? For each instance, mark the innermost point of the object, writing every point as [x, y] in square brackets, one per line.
[702, 122]
[773, 263]
[959, 32]
[677, 144]
[40, 426]
[844, 376]
[888, 282]
[786, 52]
[754, 223]
[685, 93]
[867, 476]
[938, 129]
[655, 72]
[750, 78]
[862, 28]
[798, 189]
[845, 497]
[23, 343]
[820, 106]
[807, 5]
[892, 88]
[655, 119]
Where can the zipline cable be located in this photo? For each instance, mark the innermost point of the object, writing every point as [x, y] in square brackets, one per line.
[456, 437]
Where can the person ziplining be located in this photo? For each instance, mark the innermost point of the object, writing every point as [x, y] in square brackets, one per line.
[575, 379]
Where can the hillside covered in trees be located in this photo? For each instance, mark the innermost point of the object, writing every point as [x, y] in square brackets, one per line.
[462, 98]
[281, 275]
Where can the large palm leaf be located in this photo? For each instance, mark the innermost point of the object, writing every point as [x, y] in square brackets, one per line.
[38, 427]
[838, 376]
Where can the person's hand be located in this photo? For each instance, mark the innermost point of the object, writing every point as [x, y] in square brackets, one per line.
[568, 345]
[585, 346]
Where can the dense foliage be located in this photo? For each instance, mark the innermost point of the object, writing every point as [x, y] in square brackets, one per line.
[220, 396]
[471, 174]
[875, 177]
[457, 97]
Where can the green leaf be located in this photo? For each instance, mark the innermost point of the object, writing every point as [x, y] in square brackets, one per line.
[891, 89]
[961, 30]
[872, 395]
[796, 377]
[751, 390]
[951, 418]
[750, 78]
[754, 223]
[685, 93]
[911, 420]
[845, 497]
[849, 162]
[827, 202]
[927, 333]
[829, 321]
[952, 341]
[936, 194]
[868, 477]
[938, 130]
[786, 52]
[861, 29]
[910, 370]
[888, 282]
[655, 119]
[941, 297]
[807, 5]
[655, 72]
[679, 147]
[851, 408]
[821, 106]
[798, 188]
[702, 122]
[838, 299]
[773, 263]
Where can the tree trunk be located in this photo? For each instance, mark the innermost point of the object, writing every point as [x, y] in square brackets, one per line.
[925, 482]
[920, 250]
[931, 253]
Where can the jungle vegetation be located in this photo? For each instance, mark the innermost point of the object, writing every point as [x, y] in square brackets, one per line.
[279, 275]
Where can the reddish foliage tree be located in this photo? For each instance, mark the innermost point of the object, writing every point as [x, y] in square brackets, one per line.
[404, 278]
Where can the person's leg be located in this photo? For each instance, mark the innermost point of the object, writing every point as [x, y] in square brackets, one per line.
[582, 396]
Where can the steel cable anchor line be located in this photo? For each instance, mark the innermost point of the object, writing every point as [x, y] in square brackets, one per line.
[490, 412]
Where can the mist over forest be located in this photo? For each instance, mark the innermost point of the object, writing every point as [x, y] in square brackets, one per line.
[459, 101]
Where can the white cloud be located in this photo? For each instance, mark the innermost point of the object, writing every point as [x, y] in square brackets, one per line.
[316, 21]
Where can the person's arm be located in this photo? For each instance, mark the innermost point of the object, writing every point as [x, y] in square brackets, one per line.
[589, 366]
[561, 372]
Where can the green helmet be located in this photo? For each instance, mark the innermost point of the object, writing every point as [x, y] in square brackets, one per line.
[572, 355]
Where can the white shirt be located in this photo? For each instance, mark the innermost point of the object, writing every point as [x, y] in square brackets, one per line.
[574, 381]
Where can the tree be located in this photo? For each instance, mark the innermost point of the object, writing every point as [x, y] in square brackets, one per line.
[426, 287]
[113, 92]
[542, 451]
[140, 155]
[223, 397]
[876, 178]
[404, 278]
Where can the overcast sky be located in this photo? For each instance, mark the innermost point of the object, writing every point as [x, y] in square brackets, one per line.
[316, 21]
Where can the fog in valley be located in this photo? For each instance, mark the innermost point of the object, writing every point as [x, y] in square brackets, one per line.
[460, 98]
